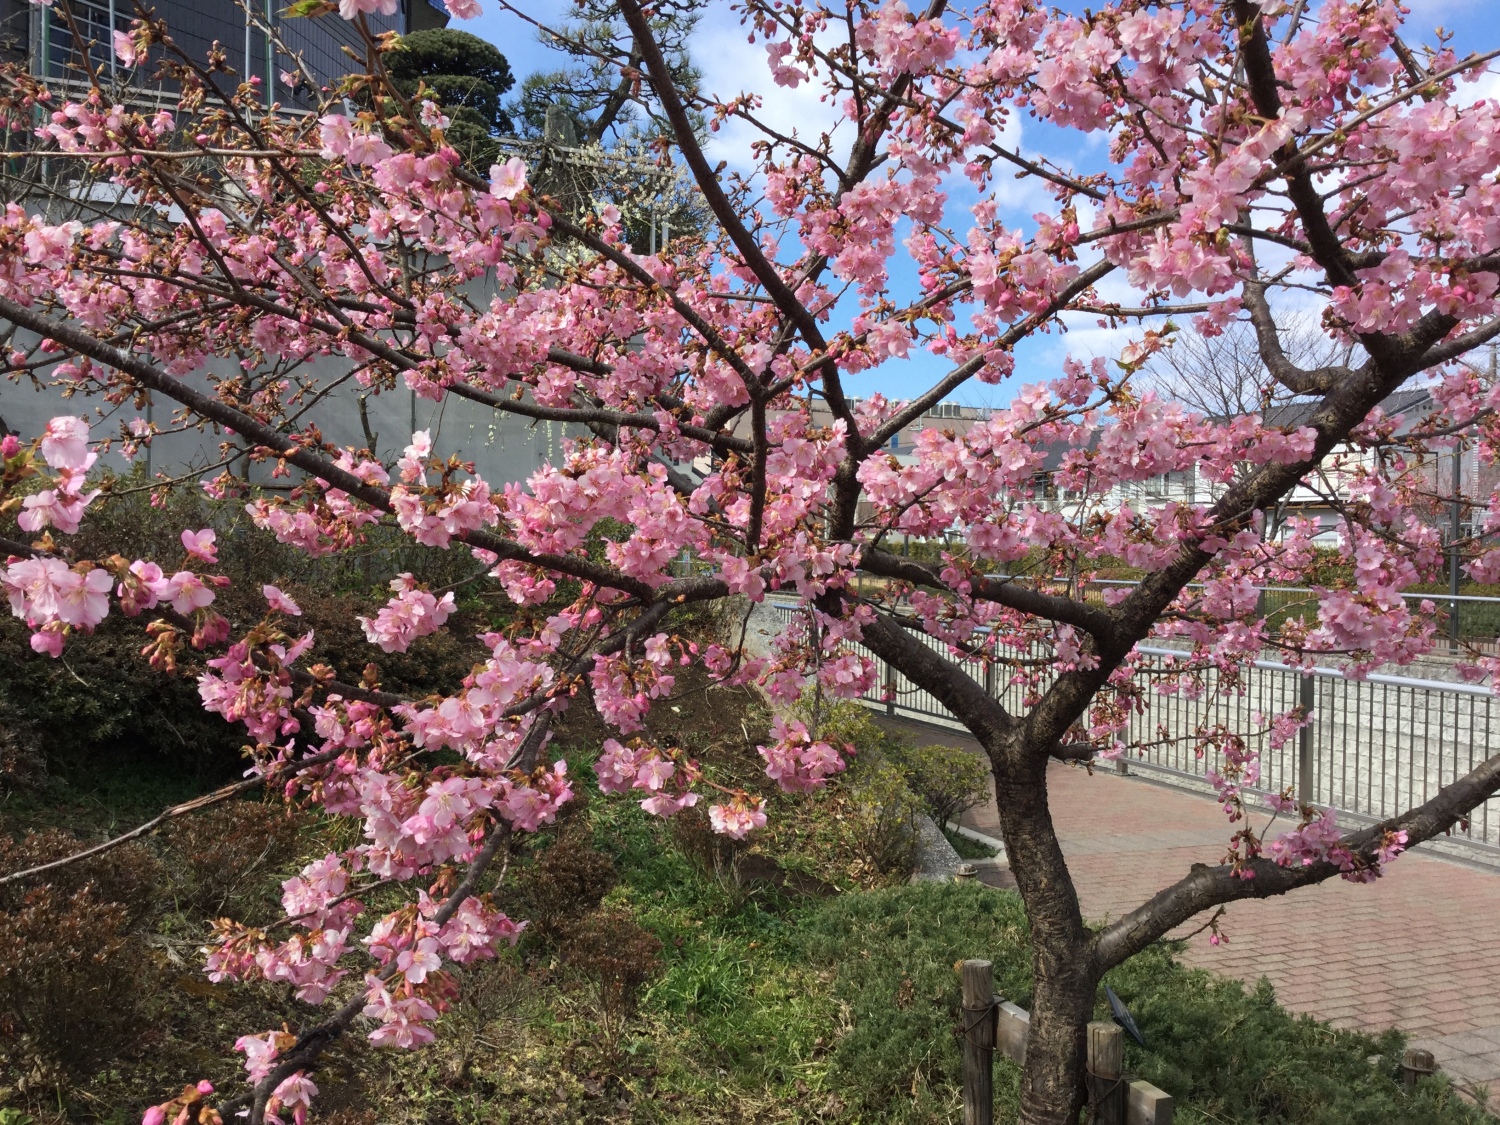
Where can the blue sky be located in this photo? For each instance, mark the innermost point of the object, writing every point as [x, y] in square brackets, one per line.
[731, 66]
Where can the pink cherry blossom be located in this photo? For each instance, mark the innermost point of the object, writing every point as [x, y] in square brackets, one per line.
[65, 445]
[280, 602]
[509, 179]
[412, 613]
[260, 1053]
[737, 819]
[124, 46]
[200, 545]
[48, 640]
[417, 962]
[350, 9]
[187, 592]
[54, 508]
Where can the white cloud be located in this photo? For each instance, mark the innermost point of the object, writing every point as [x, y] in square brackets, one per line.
[732, 66]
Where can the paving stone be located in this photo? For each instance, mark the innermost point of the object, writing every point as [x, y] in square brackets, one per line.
[1492, 1034]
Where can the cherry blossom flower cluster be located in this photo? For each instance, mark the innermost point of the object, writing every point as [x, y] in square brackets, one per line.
[666, 776]
[797, 761]
[54, 598]
[294, 1093]
[624, 689]
[1319, 839]
[412, 613]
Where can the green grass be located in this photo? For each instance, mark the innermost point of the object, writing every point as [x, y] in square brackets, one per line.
[967, 848]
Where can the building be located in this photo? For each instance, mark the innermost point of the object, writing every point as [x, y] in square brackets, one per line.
[43, 38]
[1320, 501]
[942, 416]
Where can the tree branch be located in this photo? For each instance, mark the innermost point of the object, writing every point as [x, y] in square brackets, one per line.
[930, 670]
[718, 441]
[966, 371]
[1094, 620]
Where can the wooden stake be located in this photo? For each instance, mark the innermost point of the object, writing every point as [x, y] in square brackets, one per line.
[979, 1042]
[1106, 1068]
[1416, 1063]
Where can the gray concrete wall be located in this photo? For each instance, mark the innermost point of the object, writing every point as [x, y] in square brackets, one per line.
[503, 447]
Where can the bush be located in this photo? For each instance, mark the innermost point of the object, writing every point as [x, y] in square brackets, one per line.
[617, 956]
[882, 823]
[79, 983]
[100, 714]
[73, 973]
[128, 875]
[892, 954]
[71, 980]
[100, 717]
[1233, 1055]
[567, 881]
[948, 780]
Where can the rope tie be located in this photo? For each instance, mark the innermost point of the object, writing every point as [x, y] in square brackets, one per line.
[1099, 1090]
[981, 1013]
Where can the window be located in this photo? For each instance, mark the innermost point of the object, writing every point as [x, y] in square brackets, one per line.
[95, 26]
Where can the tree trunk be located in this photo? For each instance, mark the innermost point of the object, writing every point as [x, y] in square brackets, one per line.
[1052, 1090]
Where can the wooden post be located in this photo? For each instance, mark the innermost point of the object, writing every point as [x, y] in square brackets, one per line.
[979, 1042]
[1106, 1069]
[1416, 1063]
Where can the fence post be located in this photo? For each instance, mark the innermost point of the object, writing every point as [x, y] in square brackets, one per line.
[1304, 742]
[1106, 1071]
[989, 679]
[1416, 1063]
[890, 688]
[979, 1004]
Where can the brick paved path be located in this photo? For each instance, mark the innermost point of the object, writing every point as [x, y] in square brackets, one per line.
[1415, 950]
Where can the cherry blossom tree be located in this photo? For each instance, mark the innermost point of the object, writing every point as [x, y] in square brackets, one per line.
[1258, 159]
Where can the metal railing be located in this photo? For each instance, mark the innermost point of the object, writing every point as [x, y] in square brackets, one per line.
[1374, 747]
[1472, 619]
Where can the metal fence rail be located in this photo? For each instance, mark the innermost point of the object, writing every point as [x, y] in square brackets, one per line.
[1468, 618]
[1374, 748]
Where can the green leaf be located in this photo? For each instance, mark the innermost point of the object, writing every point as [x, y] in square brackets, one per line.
[305, 8]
